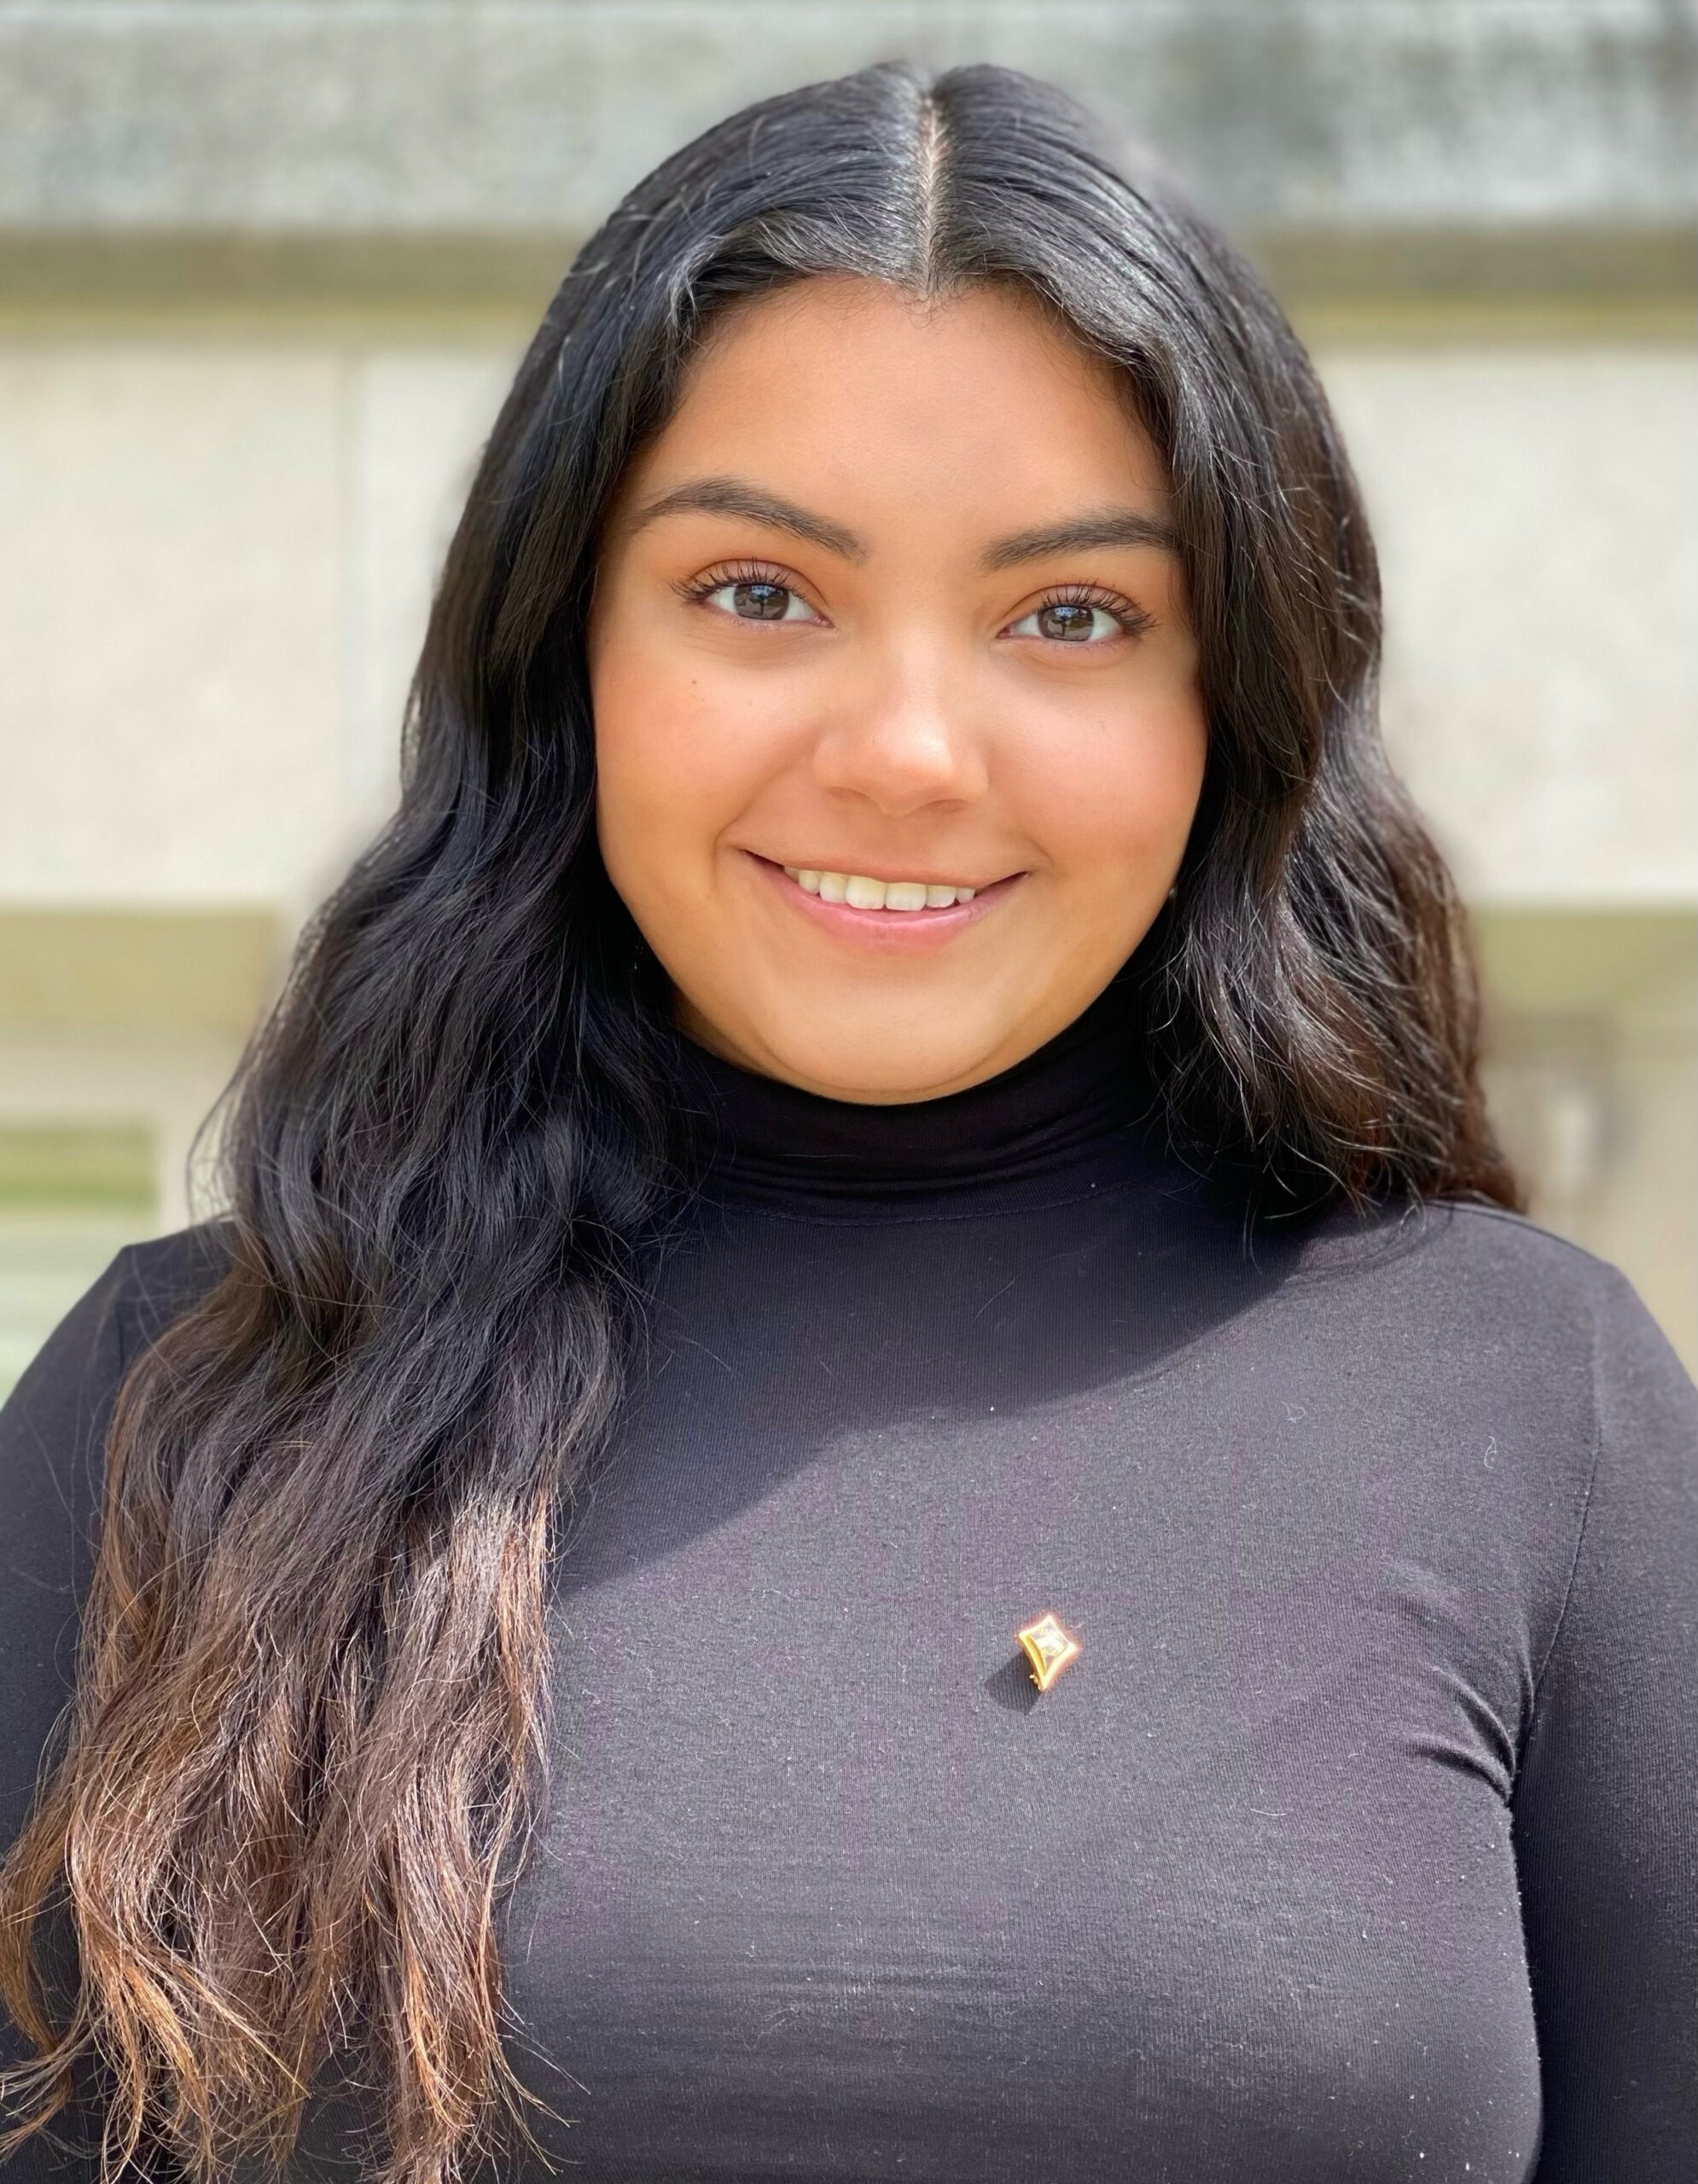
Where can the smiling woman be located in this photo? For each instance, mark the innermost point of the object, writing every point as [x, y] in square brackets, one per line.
[970, 666]
[873, 1475]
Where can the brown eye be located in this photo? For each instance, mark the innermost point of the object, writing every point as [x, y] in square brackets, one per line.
[1065, 619]
[759, 602]
[755, 595]
[1072, 623]
[1082, 617]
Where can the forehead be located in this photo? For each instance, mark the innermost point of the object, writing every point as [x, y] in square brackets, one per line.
[835, 387]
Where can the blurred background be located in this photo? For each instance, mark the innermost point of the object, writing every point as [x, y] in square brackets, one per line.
[265, 271]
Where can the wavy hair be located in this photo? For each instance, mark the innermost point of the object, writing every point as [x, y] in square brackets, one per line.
[307, 1744]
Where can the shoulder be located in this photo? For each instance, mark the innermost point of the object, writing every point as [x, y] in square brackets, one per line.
[1478, 1317]
[57, 1411]
[166, 1275]
[1556, 1283]
[1472, 1303]
[54, 1424]
[1477, 1269]
[1481, 1330]
[54, 1429]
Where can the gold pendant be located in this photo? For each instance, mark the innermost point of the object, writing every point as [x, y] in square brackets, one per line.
[1049, 1648]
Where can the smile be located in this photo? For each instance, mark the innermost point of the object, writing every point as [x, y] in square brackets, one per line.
[862, 893]
[858, 909]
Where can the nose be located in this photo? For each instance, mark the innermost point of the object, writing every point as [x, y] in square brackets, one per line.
[907, 736]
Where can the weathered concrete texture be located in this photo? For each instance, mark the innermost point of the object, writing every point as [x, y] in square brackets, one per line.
[1341, 122]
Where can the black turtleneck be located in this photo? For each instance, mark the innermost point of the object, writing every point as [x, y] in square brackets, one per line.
[757, 1138]
[1357, 1844]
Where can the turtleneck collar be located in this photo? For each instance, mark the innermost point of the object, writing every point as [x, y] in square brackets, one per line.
[1069, 1102]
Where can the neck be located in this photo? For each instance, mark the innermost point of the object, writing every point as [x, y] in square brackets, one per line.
[1067, 1104]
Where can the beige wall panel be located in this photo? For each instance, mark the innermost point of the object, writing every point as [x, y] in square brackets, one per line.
[169, 618]
[420, 418]
[217, 559]
[1538, 518]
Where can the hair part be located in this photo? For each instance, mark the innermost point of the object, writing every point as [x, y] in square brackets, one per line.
[309, 1737]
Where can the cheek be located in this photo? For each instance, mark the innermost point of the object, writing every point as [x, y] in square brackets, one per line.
[676, 760]
[1118, 789]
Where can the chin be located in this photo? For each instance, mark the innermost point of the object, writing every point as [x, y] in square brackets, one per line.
[864, 1064]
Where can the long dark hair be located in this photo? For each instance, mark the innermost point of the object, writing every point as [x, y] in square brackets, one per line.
[310, 1729]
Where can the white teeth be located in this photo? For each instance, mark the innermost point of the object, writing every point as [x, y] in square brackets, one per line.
[863, 894]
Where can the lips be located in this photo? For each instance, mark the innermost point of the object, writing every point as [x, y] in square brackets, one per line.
[793, 865]
[897, 932]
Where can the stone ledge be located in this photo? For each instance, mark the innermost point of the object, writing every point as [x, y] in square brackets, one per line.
[518, 272]
[136, 967]
[1542, 141]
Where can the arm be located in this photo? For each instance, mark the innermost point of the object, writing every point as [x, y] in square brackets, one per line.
[52, 1437]
[1606, 1799]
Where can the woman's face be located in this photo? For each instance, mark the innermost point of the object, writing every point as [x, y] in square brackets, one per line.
[892, 597]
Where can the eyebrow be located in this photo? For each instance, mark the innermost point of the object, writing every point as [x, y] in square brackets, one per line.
[1110, 526]
[736, 496]
[1106, 526]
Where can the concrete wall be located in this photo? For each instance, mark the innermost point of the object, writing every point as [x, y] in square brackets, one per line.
[219, 548]
[265, 272]
[1542, 142]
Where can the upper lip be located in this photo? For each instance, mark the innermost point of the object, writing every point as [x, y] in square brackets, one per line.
[872, 871]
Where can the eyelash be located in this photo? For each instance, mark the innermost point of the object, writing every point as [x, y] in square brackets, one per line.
[1133, 620]
[696, 588]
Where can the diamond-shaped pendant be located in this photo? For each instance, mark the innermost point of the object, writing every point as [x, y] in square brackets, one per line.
[1049, 1648]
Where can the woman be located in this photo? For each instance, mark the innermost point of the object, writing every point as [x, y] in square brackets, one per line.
[904, 1074]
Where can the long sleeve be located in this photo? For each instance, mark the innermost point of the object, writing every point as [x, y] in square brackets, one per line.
[1277, 1933]
[53, 1430]
[1606, 1804]
[52, 1435]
